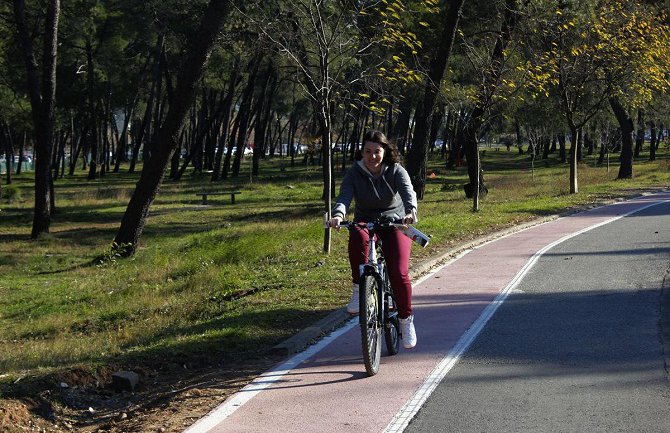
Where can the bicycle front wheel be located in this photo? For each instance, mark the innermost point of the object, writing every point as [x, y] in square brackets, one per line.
[371, 329]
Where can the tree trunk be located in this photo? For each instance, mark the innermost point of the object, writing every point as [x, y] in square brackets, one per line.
[264, 105]
[653, 141]
[417, 157]
[22, 147]
[42, 101]
[457, 144]
[574, 132]
[626, 125]
[326, 160]
[93, 118]
[6, 139]
[402, 123]
[603, 149]
[580, 143]
[225, 121]
[191, 72]
[639, 136]
[245, 117]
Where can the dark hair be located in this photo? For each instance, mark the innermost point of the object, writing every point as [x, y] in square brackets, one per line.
[391, 152]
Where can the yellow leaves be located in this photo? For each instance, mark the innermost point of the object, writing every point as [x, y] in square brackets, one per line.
[424, 24]
[577, 51]
[509, 83]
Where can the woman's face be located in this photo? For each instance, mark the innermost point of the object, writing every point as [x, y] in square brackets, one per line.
[373, 154]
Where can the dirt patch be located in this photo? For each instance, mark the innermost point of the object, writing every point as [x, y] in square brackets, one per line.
[165, 400]
[18, 416]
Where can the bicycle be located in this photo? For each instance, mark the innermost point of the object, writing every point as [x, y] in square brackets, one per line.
[377, 309]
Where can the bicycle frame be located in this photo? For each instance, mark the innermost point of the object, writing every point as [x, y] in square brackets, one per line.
[376, 267]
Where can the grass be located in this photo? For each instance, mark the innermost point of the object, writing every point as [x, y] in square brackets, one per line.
[225, 281]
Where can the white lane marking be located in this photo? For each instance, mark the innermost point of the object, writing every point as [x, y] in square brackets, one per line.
[402, 419]
[226, 408]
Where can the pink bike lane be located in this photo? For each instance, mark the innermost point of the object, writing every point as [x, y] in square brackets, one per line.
[325, 389]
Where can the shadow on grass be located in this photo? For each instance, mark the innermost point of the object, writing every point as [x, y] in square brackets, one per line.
[247, 336]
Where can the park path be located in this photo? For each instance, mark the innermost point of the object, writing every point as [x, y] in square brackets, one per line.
[325, 389]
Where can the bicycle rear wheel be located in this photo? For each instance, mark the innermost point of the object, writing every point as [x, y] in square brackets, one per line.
[371, 330]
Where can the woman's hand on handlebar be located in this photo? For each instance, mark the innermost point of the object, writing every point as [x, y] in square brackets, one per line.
[335, 222]
[408, 219]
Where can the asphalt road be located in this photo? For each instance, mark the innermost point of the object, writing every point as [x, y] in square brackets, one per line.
[576, 347]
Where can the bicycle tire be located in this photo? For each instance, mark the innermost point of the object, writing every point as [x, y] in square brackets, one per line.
[371, 328]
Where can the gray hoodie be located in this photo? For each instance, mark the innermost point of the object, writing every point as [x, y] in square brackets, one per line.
[389, 194]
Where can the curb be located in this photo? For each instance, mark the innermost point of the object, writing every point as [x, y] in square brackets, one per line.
[312, 333]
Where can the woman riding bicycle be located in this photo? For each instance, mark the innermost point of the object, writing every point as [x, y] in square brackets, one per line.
[380, 187]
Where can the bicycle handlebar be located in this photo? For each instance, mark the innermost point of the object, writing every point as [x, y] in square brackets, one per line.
[373, 224]
[408, 230]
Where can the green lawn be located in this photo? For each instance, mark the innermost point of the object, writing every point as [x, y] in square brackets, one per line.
[229, 280]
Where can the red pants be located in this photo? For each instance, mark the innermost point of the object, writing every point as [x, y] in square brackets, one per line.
[396, 247]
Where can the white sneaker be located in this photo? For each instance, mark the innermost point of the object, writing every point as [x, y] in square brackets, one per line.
[408, 333]
[352, 307]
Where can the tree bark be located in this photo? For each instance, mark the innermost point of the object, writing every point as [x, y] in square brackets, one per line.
[42, 101]
[200, 48]
[639, 136]
[626, 125]
[263, 116]
[6, 139]
[561, 147]
[225, 122]
[417, 157]
[92, 113]
[245, 117]
[574, 157]
[653, 141]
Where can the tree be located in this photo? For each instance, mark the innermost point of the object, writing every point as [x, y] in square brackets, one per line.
[42, 93]
[490, 84]
[595, 52]
[418, 155]
[571, 66]
[320, 40]
[636, 43]
[200, 47]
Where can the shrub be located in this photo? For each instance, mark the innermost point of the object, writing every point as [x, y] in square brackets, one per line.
[11, 193]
